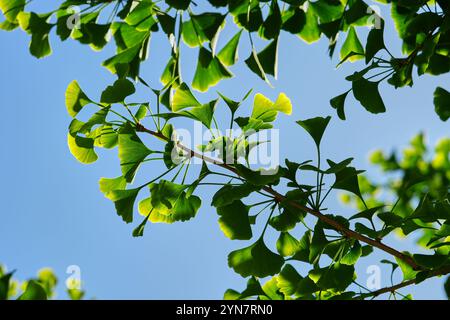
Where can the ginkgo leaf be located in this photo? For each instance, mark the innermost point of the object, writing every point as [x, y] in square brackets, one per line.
[337, 276]
[183, 98]
[109, 184]
[37, 25]
[124, 202]
[121, 89]
[353, 46]
[229, 53]
[82, 148]
[287, 220]
[264, 62]
[367, 93]
[338, 103]
[287, 245]
[288, 280]
[442, 103]
[209, 71]
[253, 289]
[169, 203]
[123, 58]
[33, 291]
[229, 193]
[234, 221]
[76, 99]
[266, 110]
[315, 127]
[256, 260]
[131, 152]
[310, 32]
[11, 8]
[141, 16]
[202, 28]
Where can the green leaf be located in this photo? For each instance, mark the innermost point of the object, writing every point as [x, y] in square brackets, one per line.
[141, 16]
[34, 291]
[288, 280]
[304, 248]
[366, 214]
[96, 35]
[116, 93]
[352, 45]
[247, 14]
[139, 230]
[287, 220]
[179, 4]
[271, 27]
[294, 19]
[271, 291]
[310, 32]
[431, 261]
[338, 103]
[39, 28]
[353, 255]
[76, 99]
[366, 92]
[318, 244]
[48, 280]
[337, 276]
[328, 11]
[390, 219]
[407, 270]
[75, 294]
[169, 203]
[203, 113]
[229, 193]
[141, 113]
[131, 152]
[183, 98]
[232, 105]
[375, 42]
[126, 57]
[287, 245]
[347, 179]
[202, 28]
[234, 221]
[359, 227]
[266, 110]
[8, 26]
[253, 289]
[11, 8]
[5, 284]
[109, 184]
[82, 148]
[229, 53]
[447, 287]
[260, 177]
[256, 260]
[315, 127]
[264, 62]
[124, 202]
[442, 103]
[209, 71]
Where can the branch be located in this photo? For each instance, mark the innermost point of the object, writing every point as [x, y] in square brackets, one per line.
[439, 272]
[325, 219]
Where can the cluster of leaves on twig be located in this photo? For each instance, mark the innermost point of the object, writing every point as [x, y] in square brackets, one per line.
[423, 26]
[42, 287]
[247, 199]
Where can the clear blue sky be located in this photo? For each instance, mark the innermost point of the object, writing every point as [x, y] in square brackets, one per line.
[54, 215]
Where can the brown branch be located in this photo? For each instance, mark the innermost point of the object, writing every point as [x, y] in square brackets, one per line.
[325, 219]
[439, 272]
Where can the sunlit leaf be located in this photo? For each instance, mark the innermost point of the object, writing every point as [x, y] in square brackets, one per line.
[256, 260]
